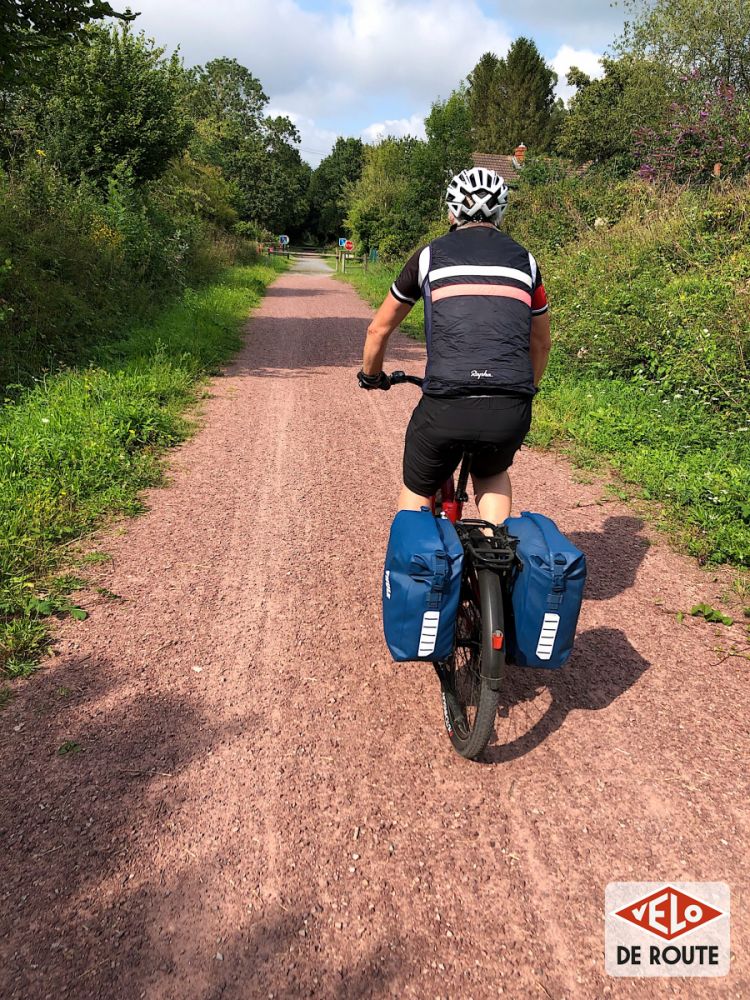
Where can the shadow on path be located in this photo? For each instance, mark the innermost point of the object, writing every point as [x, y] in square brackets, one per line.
[602, 667]
[613, 556]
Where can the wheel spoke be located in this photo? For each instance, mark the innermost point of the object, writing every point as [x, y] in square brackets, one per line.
[463, 676]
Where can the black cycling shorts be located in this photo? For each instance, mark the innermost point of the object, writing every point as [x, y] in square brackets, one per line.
[441, 428]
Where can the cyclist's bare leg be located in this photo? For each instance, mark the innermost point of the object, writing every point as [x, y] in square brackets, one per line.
[411, 501]
[494, 497]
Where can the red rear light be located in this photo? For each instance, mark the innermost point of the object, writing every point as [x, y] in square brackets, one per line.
[497, 640]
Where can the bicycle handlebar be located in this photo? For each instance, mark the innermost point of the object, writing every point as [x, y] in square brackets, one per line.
[398, 378]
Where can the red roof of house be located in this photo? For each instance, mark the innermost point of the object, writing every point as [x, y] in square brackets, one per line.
[506, 166]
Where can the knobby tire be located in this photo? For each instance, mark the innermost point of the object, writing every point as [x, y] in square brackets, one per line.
[469, 703]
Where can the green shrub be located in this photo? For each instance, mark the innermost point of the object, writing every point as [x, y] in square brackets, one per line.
[77, 267]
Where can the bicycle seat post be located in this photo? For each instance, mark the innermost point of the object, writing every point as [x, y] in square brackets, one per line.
[463, 477]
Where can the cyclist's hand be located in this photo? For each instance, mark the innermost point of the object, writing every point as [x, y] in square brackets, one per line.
[379, 381]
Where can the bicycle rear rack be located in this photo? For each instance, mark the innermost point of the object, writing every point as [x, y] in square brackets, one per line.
[496, 551]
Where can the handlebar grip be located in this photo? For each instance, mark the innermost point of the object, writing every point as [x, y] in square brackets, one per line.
[397, 377]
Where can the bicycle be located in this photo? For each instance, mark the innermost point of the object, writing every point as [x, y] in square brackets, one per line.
[471, 679]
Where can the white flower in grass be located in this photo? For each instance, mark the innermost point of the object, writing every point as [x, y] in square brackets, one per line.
[45, 420]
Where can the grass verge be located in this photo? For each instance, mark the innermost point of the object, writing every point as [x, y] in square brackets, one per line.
[82, 444]
[671, 448]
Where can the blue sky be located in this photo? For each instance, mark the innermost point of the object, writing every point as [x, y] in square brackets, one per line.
[372, 67]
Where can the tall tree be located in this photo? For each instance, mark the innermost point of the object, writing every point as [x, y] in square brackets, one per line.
[227, 93]
[379, 213]
[693, 35]
[524, 100]
[272, 178]
[447, 150]
[257, 154]
[329, 184]
[482, 85]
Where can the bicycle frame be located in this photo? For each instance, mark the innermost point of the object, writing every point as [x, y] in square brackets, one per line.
[452, 497]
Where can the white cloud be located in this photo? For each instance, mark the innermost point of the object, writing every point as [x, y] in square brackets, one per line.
[355, 56]
[584, 59]
[414, 125]
[594, 23]
[353, 62]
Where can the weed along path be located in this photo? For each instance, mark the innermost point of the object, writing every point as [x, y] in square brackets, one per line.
[222, 787]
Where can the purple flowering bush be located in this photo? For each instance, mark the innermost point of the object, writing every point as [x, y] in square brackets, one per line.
[704, 136]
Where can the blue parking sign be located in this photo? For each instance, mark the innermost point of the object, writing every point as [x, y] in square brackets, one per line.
[342, 241]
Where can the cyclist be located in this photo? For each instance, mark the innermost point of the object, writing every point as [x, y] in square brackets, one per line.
[488, 341]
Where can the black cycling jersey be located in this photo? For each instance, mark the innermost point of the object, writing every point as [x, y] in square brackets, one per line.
[480, 290]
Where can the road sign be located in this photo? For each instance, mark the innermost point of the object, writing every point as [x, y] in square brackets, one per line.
[284, 240]
[348, 245]
[342, 241]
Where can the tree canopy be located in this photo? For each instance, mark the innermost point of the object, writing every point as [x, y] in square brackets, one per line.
[329, 184]
[29, 27]
[117, 101]
[605, 113]
[702, 36]
[512, 100]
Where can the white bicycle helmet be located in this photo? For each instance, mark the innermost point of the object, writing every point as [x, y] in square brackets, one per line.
[477, 195]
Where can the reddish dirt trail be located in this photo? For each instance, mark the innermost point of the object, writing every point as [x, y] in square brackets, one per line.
[265, 806]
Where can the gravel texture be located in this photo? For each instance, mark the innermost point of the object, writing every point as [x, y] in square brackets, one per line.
[262, 805]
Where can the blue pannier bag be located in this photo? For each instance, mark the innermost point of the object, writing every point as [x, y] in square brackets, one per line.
[421, 586]
[546, 595]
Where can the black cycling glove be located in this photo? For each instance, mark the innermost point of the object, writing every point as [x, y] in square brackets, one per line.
[380, 381]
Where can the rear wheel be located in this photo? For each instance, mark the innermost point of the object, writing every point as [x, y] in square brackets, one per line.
[469, 703]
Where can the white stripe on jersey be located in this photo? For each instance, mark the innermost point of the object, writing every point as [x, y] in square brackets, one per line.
[534, 269]
[480, 270]
[400, 296]
[424, 265]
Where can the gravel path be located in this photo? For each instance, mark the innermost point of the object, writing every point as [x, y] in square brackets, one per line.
[262, 805]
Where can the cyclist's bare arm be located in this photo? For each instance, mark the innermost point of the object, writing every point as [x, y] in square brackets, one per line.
[386, 319]
[541, 344]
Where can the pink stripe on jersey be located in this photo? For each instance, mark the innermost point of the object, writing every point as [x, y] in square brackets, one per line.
[503, 291]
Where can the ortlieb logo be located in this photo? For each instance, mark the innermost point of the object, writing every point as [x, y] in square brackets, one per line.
[669, 913]
[388, 584]
[667, 929]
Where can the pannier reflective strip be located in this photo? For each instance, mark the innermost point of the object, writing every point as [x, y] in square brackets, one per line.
[428, 636]
[547, 636]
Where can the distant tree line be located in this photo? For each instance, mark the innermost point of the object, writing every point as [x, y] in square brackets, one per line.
[109, 111]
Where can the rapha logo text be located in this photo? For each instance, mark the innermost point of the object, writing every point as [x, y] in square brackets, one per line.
[476, 374]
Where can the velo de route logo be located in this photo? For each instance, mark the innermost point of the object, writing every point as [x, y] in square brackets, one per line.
[667, 929]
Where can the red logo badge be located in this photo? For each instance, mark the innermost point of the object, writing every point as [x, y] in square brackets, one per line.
[668, 913]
